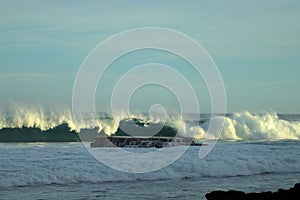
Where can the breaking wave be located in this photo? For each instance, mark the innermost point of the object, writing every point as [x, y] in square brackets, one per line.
[237, 126]
[247, 126]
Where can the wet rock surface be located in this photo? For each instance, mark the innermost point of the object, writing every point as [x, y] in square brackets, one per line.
[281, 194]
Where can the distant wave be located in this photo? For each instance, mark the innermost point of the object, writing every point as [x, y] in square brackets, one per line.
[30, 124]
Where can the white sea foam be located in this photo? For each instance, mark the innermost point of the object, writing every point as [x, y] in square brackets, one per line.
[238, 126]
[247, 126]
[42, 164]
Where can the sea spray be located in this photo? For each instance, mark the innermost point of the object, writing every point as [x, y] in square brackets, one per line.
[237, 126]
[248, 126]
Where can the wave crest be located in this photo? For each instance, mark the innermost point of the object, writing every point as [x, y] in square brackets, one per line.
[247, 126]
[237, 126]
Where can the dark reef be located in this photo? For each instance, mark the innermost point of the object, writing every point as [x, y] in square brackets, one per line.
[290, 194]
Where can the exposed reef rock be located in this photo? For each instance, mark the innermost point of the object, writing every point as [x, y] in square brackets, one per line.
[290, 194]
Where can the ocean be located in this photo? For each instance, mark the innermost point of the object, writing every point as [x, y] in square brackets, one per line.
[256, 152]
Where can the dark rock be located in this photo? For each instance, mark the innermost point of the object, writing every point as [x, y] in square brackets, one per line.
[221, 195]
[291, 194]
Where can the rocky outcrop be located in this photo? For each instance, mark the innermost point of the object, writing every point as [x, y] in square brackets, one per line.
[290, 194]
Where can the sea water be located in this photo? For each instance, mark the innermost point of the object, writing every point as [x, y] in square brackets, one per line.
[255, 152]
[67, 170]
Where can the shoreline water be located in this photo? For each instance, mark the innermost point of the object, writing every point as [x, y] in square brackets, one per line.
[43, 170]
[186, 188]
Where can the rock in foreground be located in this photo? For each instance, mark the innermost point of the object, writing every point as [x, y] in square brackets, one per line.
[291, 194]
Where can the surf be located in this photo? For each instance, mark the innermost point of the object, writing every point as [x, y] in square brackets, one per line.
[34, 124]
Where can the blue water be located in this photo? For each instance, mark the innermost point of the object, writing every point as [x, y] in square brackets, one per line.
[255, 152]
[67, 170]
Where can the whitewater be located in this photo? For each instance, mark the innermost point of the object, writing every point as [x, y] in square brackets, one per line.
[255, 152]
[237, 126]
[44, 170]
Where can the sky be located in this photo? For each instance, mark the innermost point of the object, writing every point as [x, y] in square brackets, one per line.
[255, 45]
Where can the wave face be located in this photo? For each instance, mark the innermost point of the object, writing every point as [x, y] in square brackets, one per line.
[34, 125]
[35, 164]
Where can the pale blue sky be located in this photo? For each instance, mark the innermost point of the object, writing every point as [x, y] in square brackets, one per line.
[255, 44]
